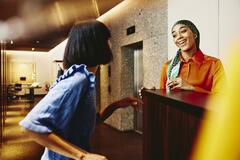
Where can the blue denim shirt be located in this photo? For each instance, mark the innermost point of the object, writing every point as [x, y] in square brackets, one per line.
[68, 110]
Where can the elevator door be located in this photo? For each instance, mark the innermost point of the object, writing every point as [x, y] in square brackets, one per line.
[138, 83]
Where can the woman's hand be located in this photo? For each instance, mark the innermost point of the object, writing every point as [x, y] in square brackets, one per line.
[129, 101]
[91, 156]
[179, 83]
[122, 103]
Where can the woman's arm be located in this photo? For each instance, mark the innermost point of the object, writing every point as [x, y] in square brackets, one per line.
[59, 145]
[179, 83]
[219, 78]
[56, 144]
[163, 76]
[125, 102]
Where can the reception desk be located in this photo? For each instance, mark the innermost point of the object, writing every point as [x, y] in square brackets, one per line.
[171, 122]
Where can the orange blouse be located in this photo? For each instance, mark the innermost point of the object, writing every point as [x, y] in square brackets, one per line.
[204, 72]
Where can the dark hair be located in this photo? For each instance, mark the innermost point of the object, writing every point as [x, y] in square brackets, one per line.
[192, 27]
[88, 44]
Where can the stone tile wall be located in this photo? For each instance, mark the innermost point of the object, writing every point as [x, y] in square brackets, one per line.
[150, 20]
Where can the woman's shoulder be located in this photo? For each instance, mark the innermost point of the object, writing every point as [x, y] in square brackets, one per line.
[167, 62]
[74, 82]
[165, 65]
[211, 59]
[81, 76]
[75, 76]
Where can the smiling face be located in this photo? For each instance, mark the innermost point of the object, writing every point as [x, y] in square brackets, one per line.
[184, 38]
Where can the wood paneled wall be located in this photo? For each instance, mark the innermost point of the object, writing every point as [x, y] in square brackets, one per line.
[3, 89]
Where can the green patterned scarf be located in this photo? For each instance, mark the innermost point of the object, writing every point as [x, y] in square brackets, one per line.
[174, 66]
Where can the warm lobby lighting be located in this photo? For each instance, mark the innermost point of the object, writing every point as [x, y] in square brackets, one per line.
[23, 66]
[120, 8]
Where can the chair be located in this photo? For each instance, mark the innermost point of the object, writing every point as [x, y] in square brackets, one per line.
[18, 87]
[12, 91]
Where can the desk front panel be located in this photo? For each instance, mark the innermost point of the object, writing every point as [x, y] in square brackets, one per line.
[169, 128]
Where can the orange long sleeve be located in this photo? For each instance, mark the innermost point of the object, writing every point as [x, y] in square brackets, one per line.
[204, 72]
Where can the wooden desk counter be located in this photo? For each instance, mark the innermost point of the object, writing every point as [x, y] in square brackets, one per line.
[170, 123]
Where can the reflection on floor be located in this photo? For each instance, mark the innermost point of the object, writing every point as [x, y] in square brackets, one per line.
[115, 145]
[15, 145]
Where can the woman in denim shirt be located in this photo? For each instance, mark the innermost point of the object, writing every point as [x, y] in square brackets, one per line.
[64, 119]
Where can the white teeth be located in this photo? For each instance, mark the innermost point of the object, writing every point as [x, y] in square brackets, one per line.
[181, 42]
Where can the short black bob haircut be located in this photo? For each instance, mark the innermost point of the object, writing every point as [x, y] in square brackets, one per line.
[88, 44]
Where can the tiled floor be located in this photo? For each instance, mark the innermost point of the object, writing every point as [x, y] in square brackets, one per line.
[115, 145]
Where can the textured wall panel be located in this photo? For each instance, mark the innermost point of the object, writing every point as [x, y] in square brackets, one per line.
[150, 20]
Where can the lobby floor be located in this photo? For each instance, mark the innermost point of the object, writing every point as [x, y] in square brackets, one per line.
[115, 145]
[15, 146]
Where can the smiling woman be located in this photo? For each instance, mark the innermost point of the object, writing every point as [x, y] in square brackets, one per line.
[190, 69]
